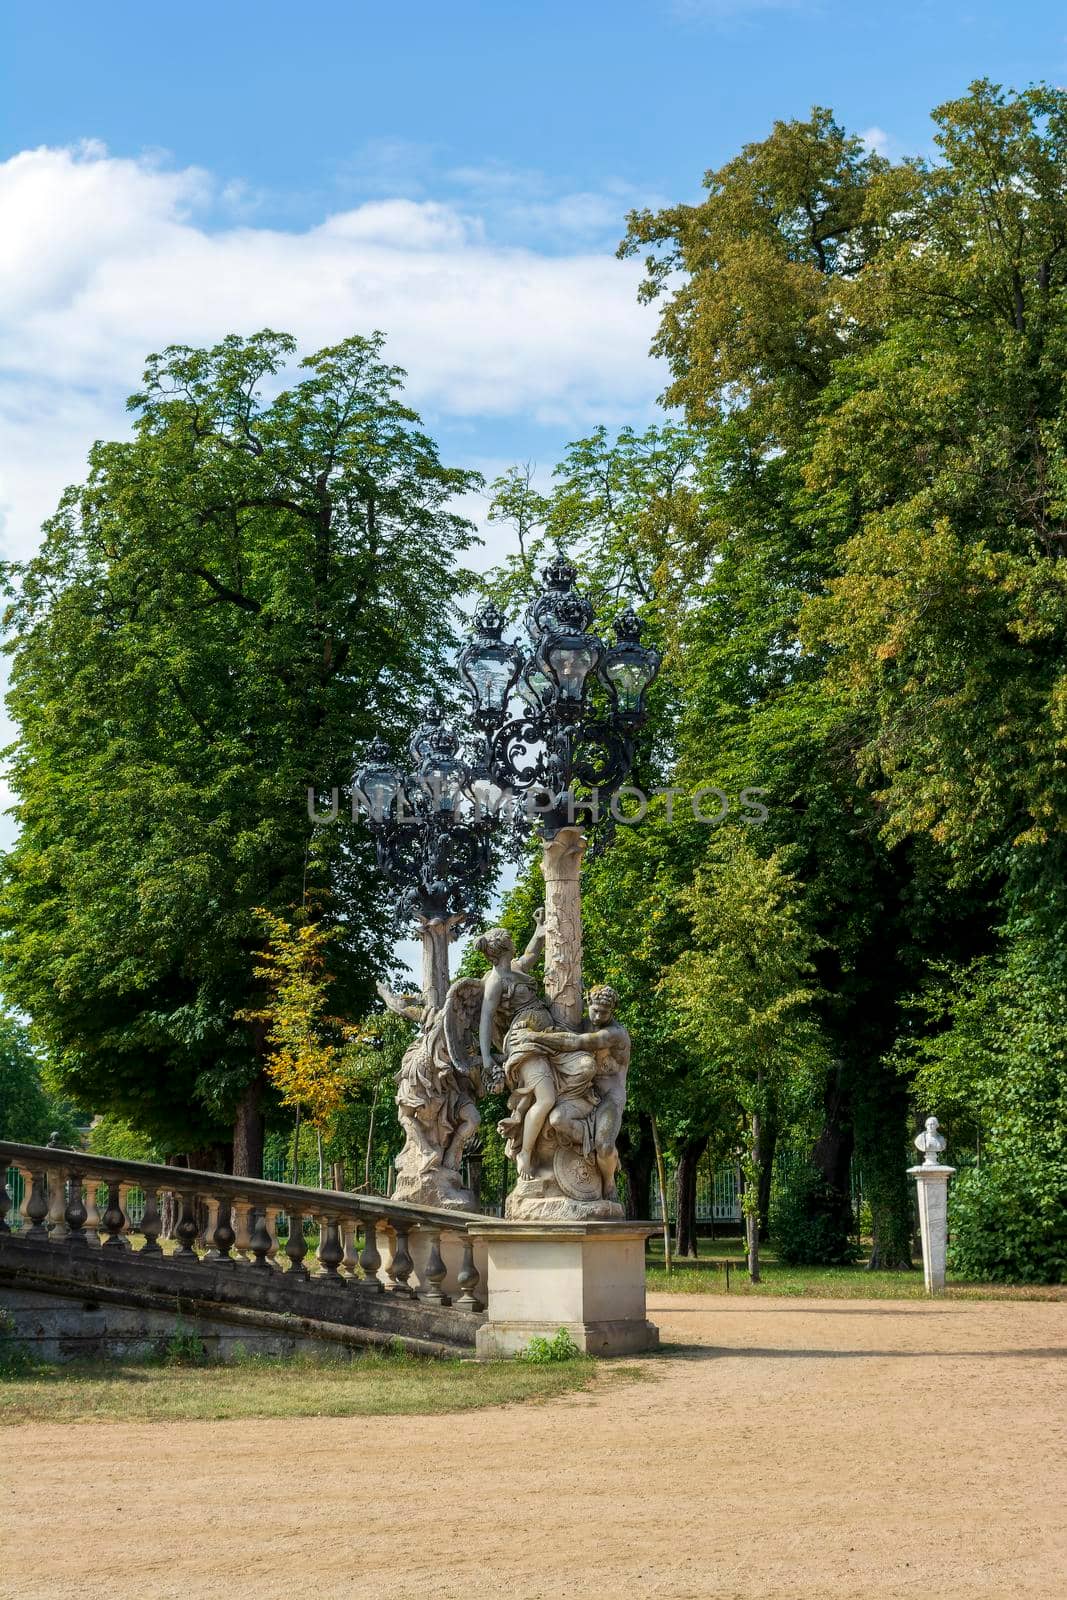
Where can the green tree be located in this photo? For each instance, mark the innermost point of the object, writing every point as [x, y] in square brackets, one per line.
[29, 1112]
[230, 605]
[743, 996]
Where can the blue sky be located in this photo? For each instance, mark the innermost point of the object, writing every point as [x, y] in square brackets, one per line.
[456, 174]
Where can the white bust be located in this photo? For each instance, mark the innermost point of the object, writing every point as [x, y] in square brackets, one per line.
[931, 1143]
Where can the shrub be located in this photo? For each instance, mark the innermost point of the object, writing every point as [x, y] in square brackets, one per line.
[561, 1347]
[1008, 1221]
[184, 1348]
[16, 1360]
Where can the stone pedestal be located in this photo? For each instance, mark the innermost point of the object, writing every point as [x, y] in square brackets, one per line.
[932, 1182]
[587, 1277]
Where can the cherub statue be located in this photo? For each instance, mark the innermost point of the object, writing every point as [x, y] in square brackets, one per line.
[591, 1122]
[930, 1143]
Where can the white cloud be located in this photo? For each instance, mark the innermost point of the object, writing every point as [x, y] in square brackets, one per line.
[103, 259]
[876, 140]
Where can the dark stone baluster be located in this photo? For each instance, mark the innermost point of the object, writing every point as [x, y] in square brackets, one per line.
[223, 1237]
[6, 1201]
[369, 1257]
[296, 1246]
[402, 1265]
[468, 1279]
[37, 1208]
[261, 1242]
[435, 1272]
[151, 1225]
[331, 1251]
[187, 1230]
[75, 1214]
[114, 1220]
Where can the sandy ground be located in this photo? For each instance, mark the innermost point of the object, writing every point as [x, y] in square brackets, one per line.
[783, 1449]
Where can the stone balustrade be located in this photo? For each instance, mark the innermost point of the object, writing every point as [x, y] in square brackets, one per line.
[77, 1202]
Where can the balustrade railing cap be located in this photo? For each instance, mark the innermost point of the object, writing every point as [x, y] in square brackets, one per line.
[288, 1197]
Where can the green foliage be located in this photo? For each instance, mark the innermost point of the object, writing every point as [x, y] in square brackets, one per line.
[539, 1351]
[803, 1225]
[184, 1348]
[234, 601]
[111, 1136]
[994, 1068]
[1008, 1220]
[29, 1113]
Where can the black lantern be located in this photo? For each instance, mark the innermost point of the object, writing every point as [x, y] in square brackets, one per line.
[559, 732]
[378, 781]
[489, 665]
[628, 667]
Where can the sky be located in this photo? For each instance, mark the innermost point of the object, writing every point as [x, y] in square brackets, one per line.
[457, 175]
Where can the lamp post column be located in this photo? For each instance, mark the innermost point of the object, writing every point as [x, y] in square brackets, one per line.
[561, 862]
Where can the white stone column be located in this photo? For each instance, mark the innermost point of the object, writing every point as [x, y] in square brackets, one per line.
[932, 1181]
[561, 862]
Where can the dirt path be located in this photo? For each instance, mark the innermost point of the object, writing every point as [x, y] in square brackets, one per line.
[784, 1449]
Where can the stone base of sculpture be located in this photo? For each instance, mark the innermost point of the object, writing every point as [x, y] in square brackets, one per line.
[588, 1278]
[440, 1186]
[545, 1199]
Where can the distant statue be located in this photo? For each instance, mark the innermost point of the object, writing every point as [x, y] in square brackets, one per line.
[931, 1143]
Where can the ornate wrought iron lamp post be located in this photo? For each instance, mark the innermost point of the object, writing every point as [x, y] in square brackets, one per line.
[557, 722]
[432, 835]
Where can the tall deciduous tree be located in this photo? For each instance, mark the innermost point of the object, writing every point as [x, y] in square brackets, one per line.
[234, 600]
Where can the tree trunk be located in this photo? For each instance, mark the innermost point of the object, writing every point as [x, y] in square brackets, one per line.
[248, 1131]
[883, 1118]
[832, 1157]
[685, 1192]
[661, 1176]
[752, 1220]
[638, 1158]
[769, 1139]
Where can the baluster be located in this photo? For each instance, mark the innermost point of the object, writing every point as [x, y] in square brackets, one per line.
[435, 1273]
[468, 1279]
[262, 1241]
[402, 1266]
[242, 1218]
[187, 1230]
[223, 1235]
[36, 1207]
[272, 1229]
[330, 1250]
[350, 1257]
[26, 1179]
[207, 1235]
[369, 1258]
[92, 1213]
[6, 1201]
[151, 1225]
[296, 1246]
[114, 1220]
[74, 1214]
[57, 1204]
[124, 1206]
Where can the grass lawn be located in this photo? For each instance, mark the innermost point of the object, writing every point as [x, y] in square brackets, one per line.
[707, 1275]
[368, 1385]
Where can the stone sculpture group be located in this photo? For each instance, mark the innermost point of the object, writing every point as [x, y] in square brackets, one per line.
[566, 1089]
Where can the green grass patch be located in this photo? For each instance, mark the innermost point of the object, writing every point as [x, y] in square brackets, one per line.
[707, 1275]
[371, 1384]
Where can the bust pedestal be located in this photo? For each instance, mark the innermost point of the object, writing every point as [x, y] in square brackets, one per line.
[932, 1182]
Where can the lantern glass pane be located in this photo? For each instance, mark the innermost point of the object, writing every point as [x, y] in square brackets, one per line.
[571, 665]
[490, 673]
[629, 677]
